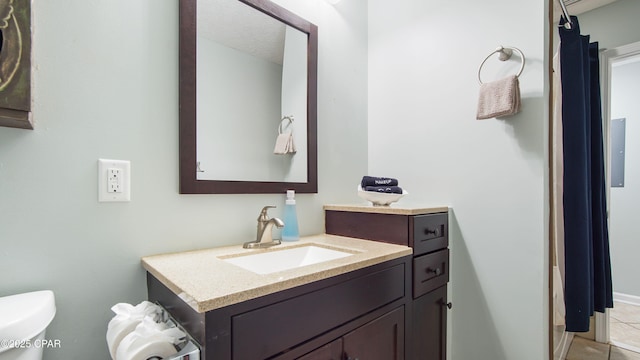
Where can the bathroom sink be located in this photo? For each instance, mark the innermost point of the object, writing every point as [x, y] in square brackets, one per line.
[285, 259]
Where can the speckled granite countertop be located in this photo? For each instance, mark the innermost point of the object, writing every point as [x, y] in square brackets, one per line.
[392, 209]
[206, 282]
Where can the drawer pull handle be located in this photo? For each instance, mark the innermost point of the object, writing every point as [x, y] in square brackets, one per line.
[434, 232]
[436, 271]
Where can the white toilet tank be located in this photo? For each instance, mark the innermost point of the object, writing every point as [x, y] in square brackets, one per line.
[23, 321]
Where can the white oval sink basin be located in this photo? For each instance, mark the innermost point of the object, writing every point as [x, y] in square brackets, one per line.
[290, 258]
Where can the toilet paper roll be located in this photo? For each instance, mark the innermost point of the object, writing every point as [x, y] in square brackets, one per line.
[116, 331]
[127, 318]
[142, 349]
[149, 339]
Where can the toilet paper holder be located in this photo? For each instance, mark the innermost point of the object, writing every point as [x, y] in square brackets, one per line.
[189, 349]
[148, 331]
[189, 352]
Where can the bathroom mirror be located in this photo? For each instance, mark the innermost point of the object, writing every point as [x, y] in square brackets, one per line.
[245, 65]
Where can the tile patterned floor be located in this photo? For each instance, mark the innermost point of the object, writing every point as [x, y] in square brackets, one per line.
[625, 336]
[584, 349]
[624, 322]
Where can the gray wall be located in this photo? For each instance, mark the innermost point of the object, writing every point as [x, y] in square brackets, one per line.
[612, 25]
[226, 125]
[625, 247]
[105, 85]
[423, 90]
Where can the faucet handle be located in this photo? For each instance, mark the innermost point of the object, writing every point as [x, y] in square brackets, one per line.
[263, 213]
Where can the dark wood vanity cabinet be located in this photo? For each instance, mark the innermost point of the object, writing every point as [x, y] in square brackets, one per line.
[428, 235]
[380, 339]
[430, 325]
[331, 351]
[357, 315]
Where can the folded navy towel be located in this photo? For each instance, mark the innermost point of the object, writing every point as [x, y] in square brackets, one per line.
[377, 181]
[384, 189]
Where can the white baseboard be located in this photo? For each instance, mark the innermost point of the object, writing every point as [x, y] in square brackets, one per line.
[601, 326]
[629, 299]
[561, 350]
[625, 346]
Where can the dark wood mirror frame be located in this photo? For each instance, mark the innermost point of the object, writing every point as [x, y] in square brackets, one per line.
[189, 184]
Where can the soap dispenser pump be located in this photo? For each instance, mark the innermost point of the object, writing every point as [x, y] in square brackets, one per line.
[290, 231]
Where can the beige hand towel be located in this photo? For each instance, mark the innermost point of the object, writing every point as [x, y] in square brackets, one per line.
[499, 98]
[284, 144]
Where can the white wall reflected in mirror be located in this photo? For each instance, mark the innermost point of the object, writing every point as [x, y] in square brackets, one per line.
[247, 81]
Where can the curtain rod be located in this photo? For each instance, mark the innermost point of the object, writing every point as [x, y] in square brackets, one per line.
[566, 14]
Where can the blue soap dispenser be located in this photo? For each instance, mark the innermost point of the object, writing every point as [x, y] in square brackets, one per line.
[290, 231]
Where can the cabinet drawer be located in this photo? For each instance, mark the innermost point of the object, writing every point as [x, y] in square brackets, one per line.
[430, 272]
[388, 228]
[430, 233]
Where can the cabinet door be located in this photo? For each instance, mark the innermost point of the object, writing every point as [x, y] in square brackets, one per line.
[430, 325]
[331, 351]
[381, 339]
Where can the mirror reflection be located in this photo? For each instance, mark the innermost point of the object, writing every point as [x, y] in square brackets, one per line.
[251, 74]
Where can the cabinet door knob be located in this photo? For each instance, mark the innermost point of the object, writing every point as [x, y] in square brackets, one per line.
[436, 271]
[448, 305]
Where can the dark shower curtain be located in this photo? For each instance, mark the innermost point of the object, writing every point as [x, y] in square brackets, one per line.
[587, 262]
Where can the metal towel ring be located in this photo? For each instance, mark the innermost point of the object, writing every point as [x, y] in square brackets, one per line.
[505, 54]
[290, 118]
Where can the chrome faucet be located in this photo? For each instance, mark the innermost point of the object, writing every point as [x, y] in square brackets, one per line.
[263, 233]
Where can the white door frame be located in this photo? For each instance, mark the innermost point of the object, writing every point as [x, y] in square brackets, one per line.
[607, 58]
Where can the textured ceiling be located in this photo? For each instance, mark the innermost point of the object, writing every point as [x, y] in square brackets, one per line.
[239, 26]
[576, 7]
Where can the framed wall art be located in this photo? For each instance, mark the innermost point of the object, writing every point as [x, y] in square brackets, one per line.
[15, 63]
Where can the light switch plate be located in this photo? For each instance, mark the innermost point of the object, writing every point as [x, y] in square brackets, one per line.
[107, 168]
